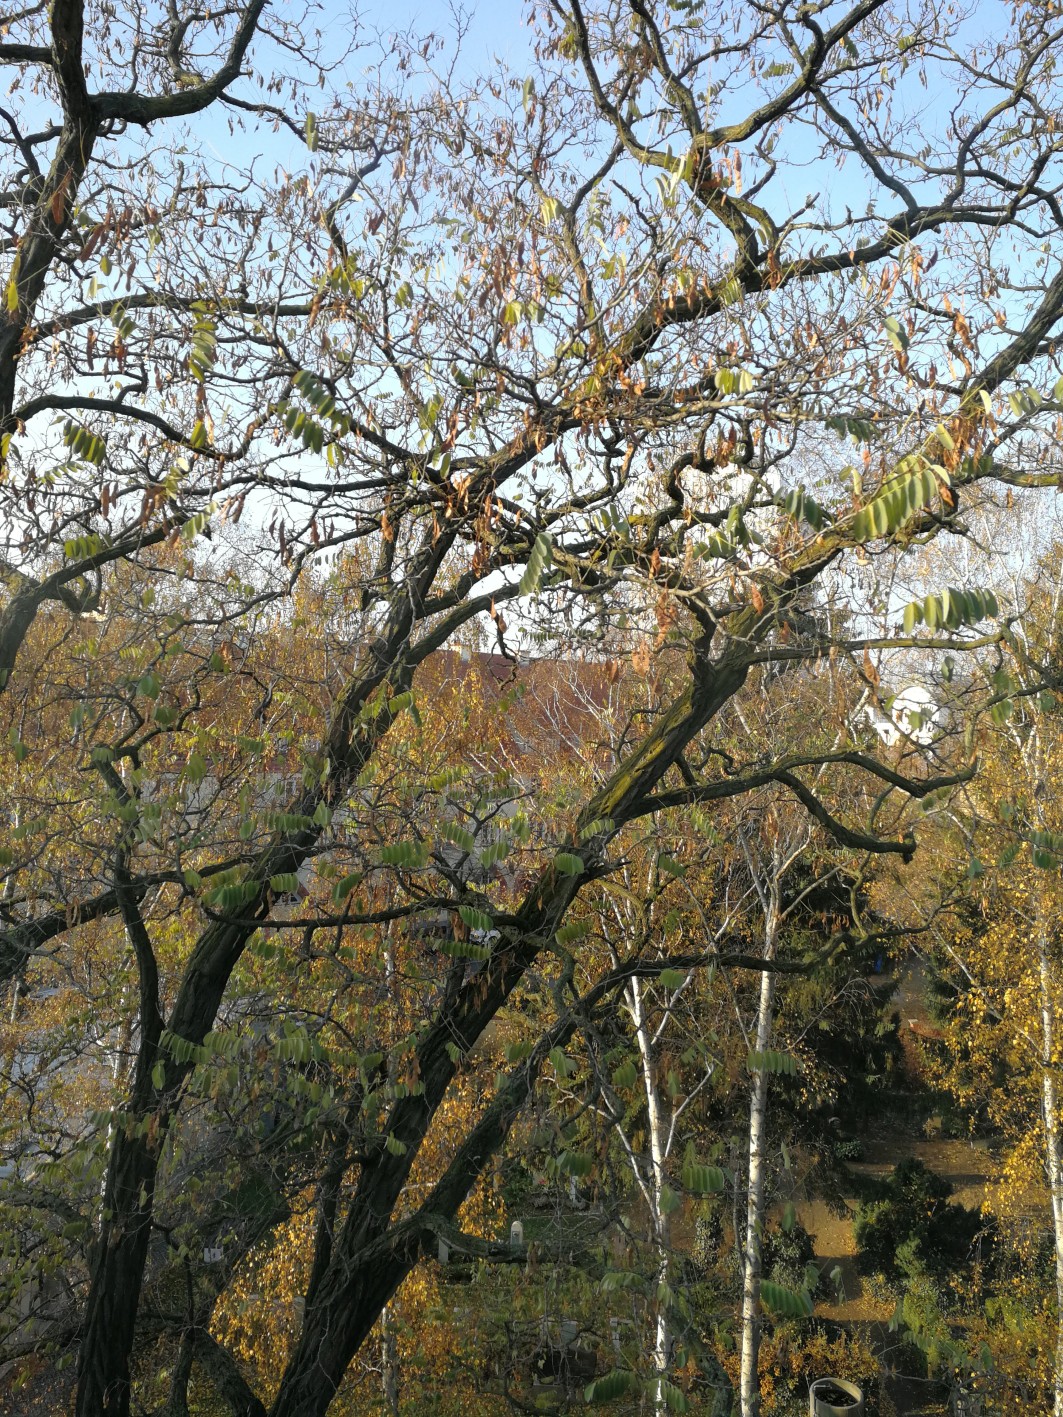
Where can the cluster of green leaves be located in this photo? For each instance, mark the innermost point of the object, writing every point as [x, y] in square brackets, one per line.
[951, 608]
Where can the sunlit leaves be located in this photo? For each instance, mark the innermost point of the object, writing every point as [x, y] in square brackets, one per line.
[196, 524]
[733, 381]
[84, 445]
[81, 548]
[951, 608]
[204, 348]
[900, 499]
[896, 333]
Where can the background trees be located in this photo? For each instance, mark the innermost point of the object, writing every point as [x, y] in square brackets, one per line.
[556, 358]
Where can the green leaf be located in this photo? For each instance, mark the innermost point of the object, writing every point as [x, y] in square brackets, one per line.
[901, 497]
[78, 548]
[158, 1076]
[785, 1302]
[452, 832]
[410, 855]
[196, 768]
[669, 1201]
[951, 608]
[310, 129]
[568, 864]
[495, 853]
[895, 333]
[702, 1180]
[626, 1074]
[802, 507]
[464, 949]
[343, 887]
[539, 559]
[772, 1061]
[85, 445]
[285, 884]
[573, 931]
[675, 1399]
[562, 1064]
[616, 1384]
[672, 978]
[476, 919]
[575, 1163]
[617, 1279]
[671, 865]
[395, 1146]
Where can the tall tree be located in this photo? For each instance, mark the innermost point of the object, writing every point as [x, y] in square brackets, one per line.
[557, 341]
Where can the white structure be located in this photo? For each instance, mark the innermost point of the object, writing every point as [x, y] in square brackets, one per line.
[915, 714]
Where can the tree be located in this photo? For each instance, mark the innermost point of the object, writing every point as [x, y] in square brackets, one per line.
[1000, 957]
[581, 358]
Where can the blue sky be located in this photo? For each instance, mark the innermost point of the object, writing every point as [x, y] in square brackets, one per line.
[496, 28]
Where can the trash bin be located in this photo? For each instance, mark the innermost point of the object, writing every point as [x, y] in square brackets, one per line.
[834, 1397]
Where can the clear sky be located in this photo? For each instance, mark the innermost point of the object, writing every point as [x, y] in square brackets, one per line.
[496, 27]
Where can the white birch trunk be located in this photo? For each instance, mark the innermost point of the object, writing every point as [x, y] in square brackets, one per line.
[749, 1387]
[1053, 1144]
[658, 1141]
[390, 1362]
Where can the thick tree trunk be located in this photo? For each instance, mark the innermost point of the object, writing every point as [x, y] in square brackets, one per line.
[114, 1293]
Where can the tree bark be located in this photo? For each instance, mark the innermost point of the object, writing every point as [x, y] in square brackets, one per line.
[749, 1391]
[1053, 1143]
